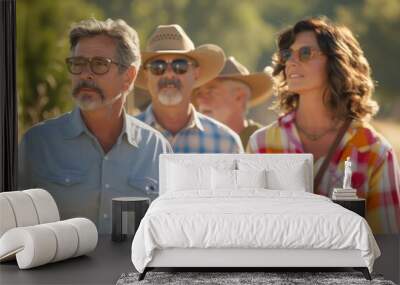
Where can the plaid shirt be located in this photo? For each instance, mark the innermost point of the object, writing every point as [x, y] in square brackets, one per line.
[201, 135]
[376, 172]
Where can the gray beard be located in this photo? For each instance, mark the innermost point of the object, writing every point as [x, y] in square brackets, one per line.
[91, 105]
[87, 105]
[170, 97]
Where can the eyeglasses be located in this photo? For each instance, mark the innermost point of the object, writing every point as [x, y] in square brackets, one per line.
[98, 65]
[179, 66]
[303, 54]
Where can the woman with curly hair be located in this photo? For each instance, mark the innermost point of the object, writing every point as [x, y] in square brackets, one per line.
[324, 88]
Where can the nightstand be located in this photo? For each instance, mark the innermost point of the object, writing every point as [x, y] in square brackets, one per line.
[127, 212]
[356, 205]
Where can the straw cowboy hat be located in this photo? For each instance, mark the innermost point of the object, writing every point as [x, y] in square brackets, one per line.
[172, 39]
[260, 83]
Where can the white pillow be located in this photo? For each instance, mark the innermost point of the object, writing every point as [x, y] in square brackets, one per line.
[188, 177]
[293, 180]
[251, 178]
[223, 179]
[281, 174]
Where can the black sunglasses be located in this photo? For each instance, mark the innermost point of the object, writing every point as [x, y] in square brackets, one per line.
[179, 66]
[98, 65]
[303, 54]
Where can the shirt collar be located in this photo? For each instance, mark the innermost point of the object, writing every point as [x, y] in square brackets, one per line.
[129, 128]
[287, 120]
[194, 121]
[76, 126]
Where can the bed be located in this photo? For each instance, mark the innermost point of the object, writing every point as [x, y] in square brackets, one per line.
[247, 211]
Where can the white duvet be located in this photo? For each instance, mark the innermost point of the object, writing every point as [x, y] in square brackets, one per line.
[250, 219]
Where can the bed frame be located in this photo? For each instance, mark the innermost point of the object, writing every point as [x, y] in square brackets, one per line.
[260, 259]
[245, 259]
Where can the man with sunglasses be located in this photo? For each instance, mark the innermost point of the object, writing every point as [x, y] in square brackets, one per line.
[96, 152]
[172, 68]
[227, 97]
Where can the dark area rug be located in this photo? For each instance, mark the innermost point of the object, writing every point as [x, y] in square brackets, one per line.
[229, 278]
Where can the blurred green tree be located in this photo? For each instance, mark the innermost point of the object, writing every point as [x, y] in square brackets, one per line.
[377, 26]
[245, 29]
[42, 45]
[236, 26]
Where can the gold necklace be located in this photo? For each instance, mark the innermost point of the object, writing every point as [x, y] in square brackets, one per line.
[315, 137]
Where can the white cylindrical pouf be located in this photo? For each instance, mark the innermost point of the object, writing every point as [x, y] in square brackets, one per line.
[7, 218]
[40, 244]
[67, 240]
[23, 208]
[33, 246]
[87, 234]
[45, 205]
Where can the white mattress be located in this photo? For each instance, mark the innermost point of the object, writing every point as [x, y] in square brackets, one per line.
[256, 218]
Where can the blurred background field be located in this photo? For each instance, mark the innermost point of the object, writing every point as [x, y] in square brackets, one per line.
[244, 29]
[391, 130]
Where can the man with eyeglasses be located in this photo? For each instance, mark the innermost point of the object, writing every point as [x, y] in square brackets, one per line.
[96, 152]
[172, 68]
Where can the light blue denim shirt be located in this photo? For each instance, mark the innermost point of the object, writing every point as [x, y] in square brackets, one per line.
[63, 157]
